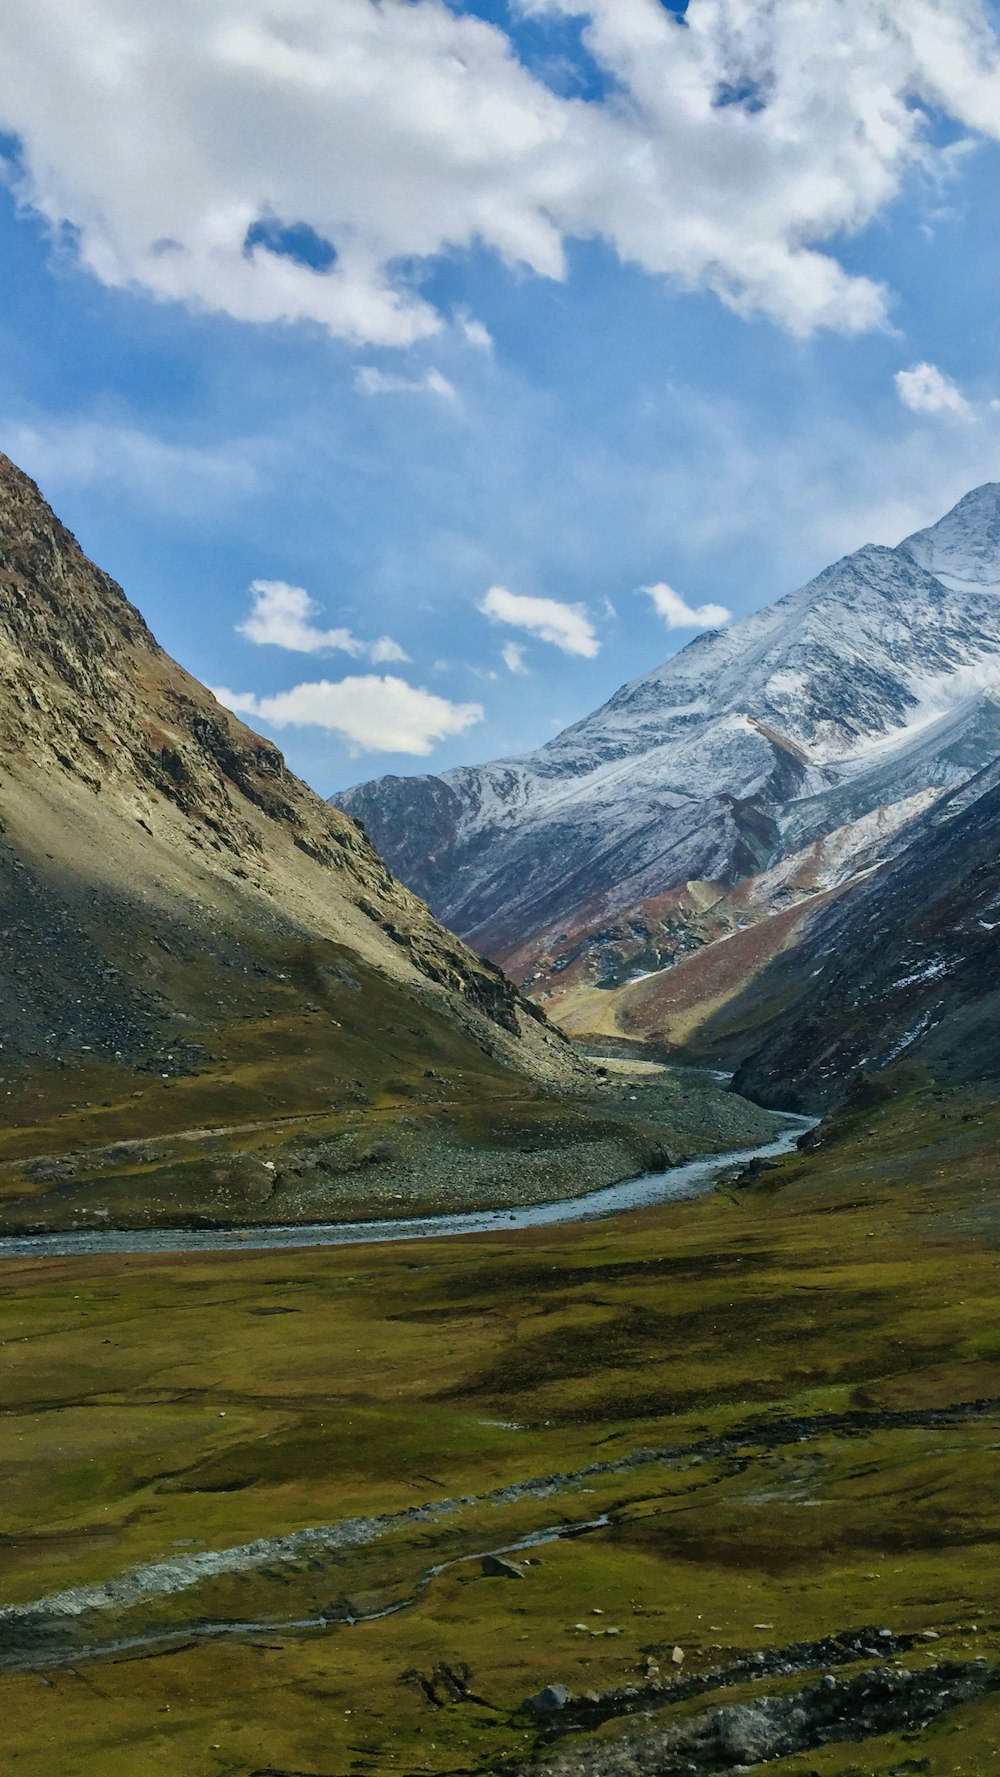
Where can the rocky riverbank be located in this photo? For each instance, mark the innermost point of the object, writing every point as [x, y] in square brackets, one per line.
[444, 1157]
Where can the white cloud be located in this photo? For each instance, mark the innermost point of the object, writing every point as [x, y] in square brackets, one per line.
[926, 389]
[373, 714]
[513, 657]
[678, 614]
[280, 618]
[61, 453]
[381, 382]
[474, 332]
[567, 626]
[384, 651]
[282, 615]
[728, 149]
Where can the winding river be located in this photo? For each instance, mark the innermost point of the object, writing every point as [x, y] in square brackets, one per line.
[692, 1179]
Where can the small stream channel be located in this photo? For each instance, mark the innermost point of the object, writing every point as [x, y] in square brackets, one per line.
[692, 1179]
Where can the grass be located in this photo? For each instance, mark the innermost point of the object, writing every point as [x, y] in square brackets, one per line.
[301, 1115]
[823, 1321]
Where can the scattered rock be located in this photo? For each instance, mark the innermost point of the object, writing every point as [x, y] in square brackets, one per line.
[678, 1656]
[497, 1567]
[554, 1696]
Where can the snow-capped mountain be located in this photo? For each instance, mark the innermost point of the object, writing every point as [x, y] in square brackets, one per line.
[876, 682]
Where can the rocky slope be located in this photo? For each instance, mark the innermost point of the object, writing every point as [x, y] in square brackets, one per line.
[191, 938]
[902, 969]
[122, 773]
[801, 987]
[216, 1003]
[792, 744]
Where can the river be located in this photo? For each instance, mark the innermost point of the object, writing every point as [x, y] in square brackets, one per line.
[692, 1179]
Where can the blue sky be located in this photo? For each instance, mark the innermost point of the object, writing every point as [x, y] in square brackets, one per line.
[469, 382]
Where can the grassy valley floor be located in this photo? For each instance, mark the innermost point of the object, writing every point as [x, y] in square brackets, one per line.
[297, 1122]
[742, 1447]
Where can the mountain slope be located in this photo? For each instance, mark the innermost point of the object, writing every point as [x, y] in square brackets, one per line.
[806, 990]
[903, 968]
[216, 1003]
[191, 938]
[878, 680]
[113, 756]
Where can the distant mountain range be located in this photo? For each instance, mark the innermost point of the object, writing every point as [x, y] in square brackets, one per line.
[758, 773]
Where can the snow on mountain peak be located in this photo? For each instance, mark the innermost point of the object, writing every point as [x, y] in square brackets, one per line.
[877, 680]
[963, 549]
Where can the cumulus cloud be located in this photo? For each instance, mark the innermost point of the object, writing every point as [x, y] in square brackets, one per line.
[304, 159]
[381, 382]
[678, 614]
[281, 617]
[926, 389]
[512, 654]
[372, 714]
[567, 626]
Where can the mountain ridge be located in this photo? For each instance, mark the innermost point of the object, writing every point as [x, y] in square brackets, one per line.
[92, 700]
[875, 682]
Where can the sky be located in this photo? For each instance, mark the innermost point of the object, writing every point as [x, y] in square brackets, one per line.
[425, 371]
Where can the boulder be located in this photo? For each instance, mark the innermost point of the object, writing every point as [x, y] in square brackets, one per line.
[497, 1567]
[554, 1696]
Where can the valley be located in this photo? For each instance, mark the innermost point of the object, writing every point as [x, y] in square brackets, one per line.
[412, 1367]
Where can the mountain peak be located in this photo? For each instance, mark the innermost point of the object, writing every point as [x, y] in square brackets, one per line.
[872, 682]
[962, 549]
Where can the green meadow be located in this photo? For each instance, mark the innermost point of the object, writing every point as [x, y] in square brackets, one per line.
[727, 1428]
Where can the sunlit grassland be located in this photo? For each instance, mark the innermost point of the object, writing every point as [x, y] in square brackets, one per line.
[823, 1322]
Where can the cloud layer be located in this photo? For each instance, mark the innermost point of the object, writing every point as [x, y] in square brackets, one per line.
[513, 656]
[566, 626]
[371, 381]
[89, 453]
[372, 714]
[290, 159]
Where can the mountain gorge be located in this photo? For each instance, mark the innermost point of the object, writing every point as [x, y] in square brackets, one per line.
[724, 797]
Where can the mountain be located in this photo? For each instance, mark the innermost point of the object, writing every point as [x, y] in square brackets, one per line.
[786, 749]
[899, 964]
[192, 937]
[904, 968]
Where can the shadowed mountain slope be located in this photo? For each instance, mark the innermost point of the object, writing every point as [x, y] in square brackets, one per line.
[903, 968]
[802, 988]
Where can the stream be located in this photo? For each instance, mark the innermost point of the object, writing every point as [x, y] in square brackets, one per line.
[692, 1179]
